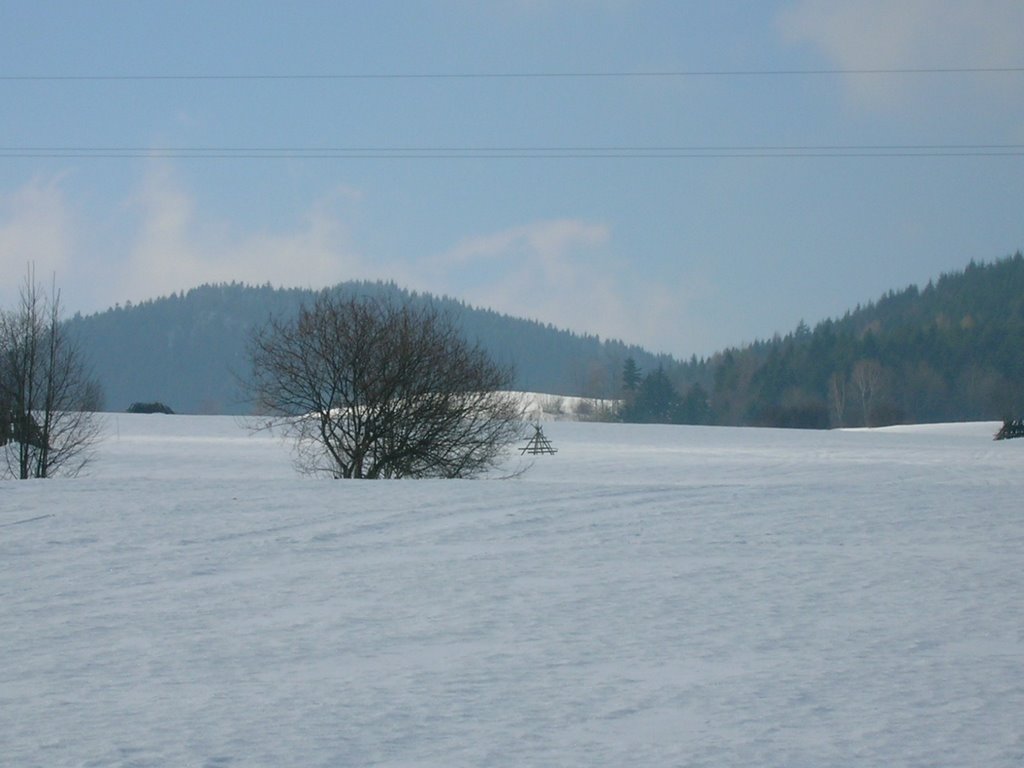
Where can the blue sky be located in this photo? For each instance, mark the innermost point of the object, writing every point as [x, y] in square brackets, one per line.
[462, 186]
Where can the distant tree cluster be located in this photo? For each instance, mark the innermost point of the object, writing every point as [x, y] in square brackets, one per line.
[154, 407]
[654, 399]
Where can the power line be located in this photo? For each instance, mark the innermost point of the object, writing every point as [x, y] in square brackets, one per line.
[520, 152]
[565, 75]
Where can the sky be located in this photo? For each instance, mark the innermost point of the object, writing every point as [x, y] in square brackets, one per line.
[687, 176]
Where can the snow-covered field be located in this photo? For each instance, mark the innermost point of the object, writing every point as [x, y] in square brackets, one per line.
[649, 596]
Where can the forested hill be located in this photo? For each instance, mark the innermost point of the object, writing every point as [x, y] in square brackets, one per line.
[188, 350]
[951, 351]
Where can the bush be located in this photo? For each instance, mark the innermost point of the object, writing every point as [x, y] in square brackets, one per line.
[372, 389]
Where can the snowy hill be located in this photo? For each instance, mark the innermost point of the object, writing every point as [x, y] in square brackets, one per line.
[651, 595]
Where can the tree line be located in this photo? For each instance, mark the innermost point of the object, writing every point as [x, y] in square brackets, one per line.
[948, 352]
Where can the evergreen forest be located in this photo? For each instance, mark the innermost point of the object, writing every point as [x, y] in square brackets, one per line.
[950, 351]
[189, 350]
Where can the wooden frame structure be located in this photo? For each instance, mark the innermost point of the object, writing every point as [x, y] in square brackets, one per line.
[539, 443]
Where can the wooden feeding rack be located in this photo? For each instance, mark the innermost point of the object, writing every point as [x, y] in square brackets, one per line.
[539, 443]
[1011, 428]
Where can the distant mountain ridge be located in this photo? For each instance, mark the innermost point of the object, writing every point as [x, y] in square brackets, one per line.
[188, 350]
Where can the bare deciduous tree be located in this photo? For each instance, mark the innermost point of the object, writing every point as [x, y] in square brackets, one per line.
[48, 424]
[372, 389]
[866, 378]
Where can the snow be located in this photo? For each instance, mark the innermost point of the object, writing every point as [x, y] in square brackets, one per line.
[650, 596]
[540, 407]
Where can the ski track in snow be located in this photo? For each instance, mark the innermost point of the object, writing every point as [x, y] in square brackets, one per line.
[650, 596]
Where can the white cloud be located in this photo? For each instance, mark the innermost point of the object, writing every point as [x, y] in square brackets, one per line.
[35, 228]
[545, 245]
[178, 247]
[560, 271]
[906, 34]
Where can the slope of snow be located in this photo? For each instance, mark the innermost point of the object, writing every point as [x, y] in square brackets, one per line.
[655, 596]
[541, 407]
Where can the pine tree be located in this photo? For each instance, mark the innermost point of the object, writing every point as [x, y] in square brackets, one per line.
[630, 375]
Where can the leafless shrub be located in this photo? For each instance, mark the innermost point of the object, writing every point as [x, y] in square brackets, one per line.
[371, 389]
[48, 424]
